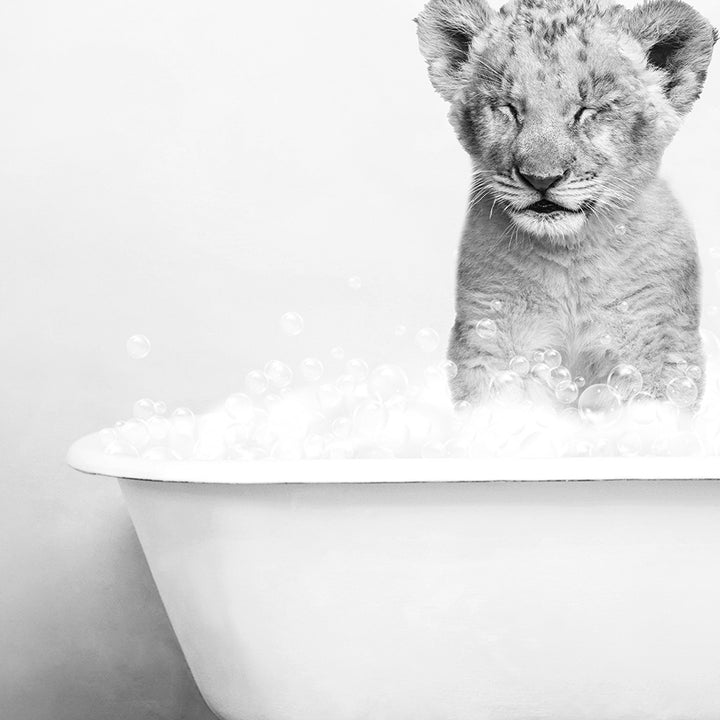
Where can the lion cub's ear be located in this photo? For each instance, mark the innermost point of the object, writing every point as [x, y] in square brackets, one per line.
[677, 40]
[446, 29]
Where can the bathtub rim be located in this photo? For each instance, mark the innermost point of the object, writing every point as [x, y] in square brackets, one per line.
[86, 455]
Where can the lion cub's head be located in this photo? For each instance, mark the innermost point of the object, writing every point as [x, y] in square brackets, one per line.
[565, 106]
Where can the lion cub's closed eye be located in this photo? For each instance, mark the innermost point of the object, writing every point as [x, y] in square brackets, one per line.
[565, 108]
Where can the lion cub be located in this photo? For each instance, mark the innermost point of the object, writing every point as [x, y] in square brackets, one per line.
[571, 240]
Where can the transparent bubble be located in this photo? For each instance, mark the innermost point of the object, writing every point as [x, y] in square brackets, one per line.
[400, 330]
[682, 391]
[538, 445]
[630, 444]
[567, 392]
[240, 407]
[143, 409]
[681, 444]
[507, 387]
[520, 365]
[642, 408]
[541, 373]
[279, 373]
[388, 380]
[486, 329]
[625, 380]
[559, 375]
[433, 376]
[337, 353]
[427, 340]
[449, 369]
[694, 372]
[580, 381]
[183, 420]
[680, 363]
[552, 359]
[370, 418]
[463, 409]
[599, 405]
[160, 407]
[311, 369]
[341, 427]
[291, 323]
[497, 306]
[329, 397]
[256, 382]
[159, 428]
[134, 432]
[623, 306]
[606, 339]
[138, 347]
[358, 369]
[345, 384]
[621, 230]
[538, 357]
[237, 434]
[355, 282]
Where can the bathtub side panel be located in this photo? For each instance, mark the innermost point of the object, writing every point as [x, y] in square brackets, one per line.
[419, 602]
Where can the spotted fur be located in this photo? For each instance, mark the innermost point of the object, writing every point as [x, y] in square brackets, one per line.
[589, 93]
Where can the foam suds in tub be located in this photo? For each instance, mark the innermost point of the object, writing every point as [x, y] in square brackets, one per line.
[301, 413]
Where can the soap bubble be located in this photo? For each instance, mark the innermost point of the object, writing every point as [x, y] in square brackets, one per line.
[552, 359]
[357, 369]
[345, 384]
[449, 369]
[292, 323]
[160, 453]
[183, 420]
[311, 369]
[623, 306]
[160, 407]
[520, 365]
[355, 282]
[497, 306]
[580, 381]
[121, 447]
[143, 409]
[138, 347]
[256, 382]
[240, 407]
[486, 329]
[559, 375]
[329, 397]
[538, 356]
[599, 405]
[337, 353]
[434, 376]
[681, 444]
[400, 330]
[388, 380]
[620, 230]
[606, 339]
[159, 428]
[541, 373]
[370, 418]
[339, 450]
[694, 372]
[279, 373]
[427, 340]
[625, 380]
[314, 446]
[567, 392]
[134, 432]
[682, 391]
[642, 408]
[341, 427]
[680, 363]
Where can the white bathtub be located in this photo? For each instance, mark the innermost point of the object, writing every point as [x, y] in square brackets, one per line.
[428, 590]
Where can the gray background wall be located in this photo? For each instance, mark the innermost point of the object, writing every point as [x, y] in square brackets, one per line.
[190, 170]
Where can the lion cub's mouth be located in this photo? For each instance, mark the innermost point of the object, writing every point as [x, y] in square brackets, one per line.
[547, 207]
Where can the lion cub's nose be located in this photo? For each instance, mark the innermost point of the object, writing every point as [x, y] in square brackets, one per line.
[540, 183]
